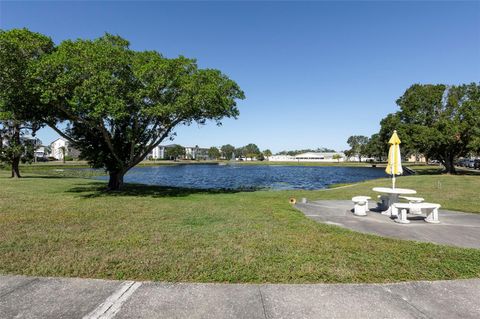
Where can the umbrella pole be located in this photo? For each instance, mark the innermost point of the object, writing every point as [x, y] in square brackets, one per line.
[393, 181]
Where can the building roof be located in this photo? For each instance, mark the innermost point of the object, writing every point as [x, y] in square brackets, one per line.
[318, 154]
[60, 138]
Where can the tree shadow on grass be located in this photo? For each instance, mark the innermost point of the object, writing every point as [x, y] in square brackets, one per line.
[26, 177]
[98, 189]
[439, 170]
[459, 172]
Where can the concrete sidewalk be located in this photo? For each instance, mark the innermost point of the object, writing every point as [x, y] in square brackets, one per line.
[32, 297]
[455, 228]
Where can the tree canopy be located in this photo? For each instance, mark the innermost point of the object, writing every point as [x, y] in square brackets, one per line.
[213, 153]
[376, 147]
[115, 104]
[250, 151]
[19, 101]
[337, 157]
[175, 152]
[267, 153]
[441, 122]
[358, 145]
[228, 151]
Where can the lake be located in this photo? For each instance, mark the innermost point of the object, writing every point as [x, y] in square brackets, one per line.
[274, 177]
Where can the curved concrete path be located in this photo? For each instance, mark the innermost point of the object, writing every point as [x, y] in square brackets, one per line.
[34, 297]
[455, 228]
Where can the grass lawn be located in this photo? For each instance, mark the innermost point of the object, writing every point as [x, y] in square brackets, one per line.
[61, 226]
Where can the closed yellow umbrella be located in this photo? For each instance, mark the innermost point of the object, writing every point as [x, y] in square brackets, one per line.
[394, 166]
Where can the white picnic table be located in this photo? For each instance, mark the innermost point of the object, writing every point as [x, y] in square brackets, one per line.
[393, 194]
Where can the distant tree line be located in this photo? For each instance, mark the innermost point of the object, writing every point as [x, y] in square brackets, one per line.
[296, 152]
[249, 151]
[227, 152]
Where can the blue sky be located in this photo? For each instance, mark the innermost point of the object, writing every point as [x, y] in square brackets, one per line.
[314, 73]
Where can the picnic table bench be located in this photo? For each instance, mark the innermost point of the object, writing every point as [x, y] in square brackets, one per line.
[414, 200]
[360, 205]
[430, 208]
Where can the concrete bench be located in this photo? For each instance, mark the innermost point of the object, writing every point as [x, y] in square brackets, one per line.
[360, 205]
[414, 200]
[430, 208]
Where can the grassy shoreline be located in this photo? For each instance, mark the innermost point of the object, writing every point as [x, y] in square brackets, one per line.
[67, 226]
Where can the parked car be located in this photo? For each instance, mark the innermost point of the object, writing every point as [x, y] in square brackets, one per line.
[461, 162]
[470, 163]
[476, 163]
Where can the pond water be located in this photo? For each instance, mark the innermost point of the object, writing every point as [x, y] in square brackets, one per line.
[273, 177]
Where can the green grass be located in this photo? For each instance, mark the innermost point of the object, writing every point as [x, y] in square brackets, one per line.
[60, 226]
[78, 168]
[454, 192]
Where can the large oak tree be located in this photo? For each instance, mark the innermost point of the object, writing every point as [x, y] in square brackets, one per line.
[116, 104]
[19, 50]
[439, 121]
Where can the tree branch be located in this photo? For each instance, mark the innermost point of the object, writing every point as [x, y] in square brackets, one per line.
[108, 140]
[154, 144]
[65, 136]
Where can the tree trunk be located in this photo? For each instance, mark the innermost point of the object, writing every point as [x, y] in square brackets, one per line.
[449, 166]
[16, 158]
[116, 180]
[16, 167]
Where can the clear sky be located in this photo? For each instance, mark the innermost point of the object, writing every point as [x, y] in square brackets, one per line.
[314, 73]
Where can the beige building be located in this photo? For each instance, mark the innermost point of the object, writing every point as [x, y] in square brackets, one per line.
[416, 158]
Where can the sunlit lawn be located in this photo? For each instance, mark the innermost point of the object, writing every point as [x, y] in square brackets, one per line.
[60, 226]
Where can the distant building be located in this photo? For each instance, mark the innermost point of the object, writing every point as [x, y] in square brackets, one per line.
[40, 153]
[418, 158]
[281, 158]
[57, 152]
[308, 157]
[159, 152]
[191, 152]
[196, 153]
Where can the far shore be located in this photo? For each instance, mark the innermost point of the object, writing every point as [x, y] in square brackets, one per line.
[179, 162]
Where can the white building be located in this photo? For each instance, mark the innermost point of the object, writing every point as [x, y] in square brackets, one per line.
[308, 157]
[40, 153]
[57, 152]
[191, 152]
[281, 158]
[158, 152]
